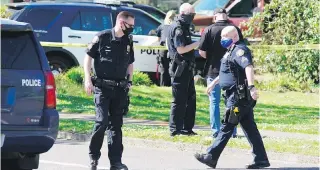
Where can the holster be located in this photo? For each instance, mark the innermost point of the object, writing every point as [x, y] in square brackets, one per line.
[181, 66]
[232, 116]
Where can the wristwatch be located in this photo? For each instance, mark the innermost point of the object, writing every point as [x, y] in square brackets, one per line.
[250, 87]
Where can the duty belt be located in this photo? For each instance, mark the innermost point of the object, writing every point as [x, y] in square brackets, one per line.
[107, 83]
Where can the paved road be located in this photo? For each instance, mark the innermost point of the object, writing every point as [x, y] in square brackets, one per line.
[69, 155]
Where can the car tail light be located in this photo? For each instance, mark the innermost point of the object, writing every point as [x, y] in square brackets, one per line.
[50, 90]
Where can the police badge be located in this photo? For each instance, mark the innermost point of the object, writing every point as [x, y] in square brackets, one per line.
[240, 53]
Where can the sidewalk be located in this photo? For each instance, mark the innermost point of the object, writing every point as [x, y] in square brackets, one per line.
[264, 133]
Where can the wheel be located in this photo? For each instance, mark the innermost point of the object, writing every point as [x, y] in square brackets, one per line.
[58, 64]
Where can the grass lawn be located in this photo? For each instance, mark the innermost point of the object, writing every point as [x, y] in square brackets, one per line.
[305, 147]
[286, 112]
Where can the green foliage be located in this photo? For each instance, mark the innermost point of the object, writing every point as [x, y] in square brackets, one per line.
[285, 83]
[3, 12]
[75, 75]
[140, 78]
[288, 22]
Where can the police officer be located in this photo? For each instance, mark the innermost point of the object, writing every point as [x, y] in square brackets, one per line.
[236, 77]
[112, 52]
[211, 49]
[181, 48]
[163, 59]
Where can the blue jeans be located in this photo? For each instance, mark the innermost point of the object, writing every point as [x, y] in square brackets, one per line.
[214, 109]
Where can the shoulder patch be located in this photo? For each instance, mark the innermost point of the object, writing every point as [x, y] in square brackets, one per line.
[95, 39]
[244, 60]
[240, 52]
[179, 31]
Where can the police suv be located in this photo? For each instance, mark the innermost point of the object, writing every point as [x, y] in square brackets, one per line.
[78, 22]
[29, 119]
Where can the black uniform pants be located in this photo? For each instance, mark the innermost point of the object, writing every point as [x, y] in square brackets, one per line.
[183, 107]
[164, 61]
[249, 127]
[109, 104]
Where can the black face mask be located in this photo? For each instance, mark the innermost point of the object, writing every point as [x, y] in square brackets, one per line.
[128, 30]
[187, 19]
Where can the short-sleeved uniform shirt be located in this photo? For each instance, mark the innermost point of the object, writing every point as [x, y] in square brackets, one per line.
[180, 36]
[111, 55]
[162, 33]
[240, 57]
[210, 42]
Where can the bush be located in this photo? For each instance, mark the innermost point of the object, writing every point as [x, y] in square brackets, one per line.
[288, 22]
[140, 78]
[75, 75]
[284, 83]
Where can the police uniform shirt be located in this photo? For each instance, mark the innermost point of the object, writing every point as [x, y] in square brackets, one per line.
[210, 42]
[111, 55]
[241, 58]
[181, 36]
[162, 33]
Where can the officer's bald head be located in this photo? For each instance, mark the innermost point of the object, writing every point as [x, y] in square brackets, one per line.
[186, 8]
[230, 32]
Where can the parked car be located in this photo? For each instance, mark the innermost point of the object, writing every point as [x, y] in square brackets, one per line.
[238, 11]
[77, 22]
[29, 119]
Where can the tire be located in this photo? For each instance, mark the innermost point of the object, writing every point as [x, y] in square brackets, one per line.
[58, 64]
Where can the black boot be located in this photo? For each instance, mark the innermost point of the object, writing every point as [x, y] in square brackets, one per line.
[118, 166]
[206, 159]
[258, 165]
[94, 164]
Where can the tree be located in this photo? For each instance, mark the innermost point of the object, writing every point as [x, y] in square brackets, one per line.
[288, 22]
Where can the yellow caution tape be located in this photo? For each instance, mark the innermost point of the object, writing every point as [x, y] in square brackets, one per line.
[252, 47]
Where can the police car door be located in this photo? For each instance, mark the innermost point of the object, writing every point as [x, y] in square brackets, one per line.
[86, 24]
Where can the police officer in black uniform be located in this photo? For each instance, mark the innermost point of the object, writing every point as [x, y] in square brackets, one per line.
[163, 58]
[112, 52]
[181, 48]
[211, 49]
[236, 78]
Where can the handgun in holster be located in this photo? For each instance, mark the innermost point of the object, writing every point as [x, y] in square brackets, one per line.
[181, 66]
[232, 115]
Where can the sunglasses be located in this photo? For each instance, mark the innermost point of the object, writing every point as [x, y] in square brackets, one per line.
[130, 25]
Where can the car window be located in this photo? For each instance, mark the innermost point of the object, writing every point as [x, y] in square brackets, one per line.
[243, 8]
[154, 13]
[92, 21]
[41, 19]
[144, 24]
[18, 51]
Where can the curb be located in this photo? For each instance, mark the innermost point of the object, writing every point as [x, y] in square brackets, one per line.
[189, 147]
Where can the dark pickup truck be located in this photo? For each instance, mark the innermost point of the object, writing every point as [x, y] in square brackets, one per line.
[29, 119]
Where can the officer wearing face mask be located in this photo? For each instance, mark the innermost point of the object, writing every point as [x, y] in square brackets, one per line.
[236, 78]
[181, 49]
[112, 52]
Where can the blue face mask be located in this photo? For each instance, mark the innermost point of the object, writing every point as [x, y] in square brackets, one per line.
[226, 42]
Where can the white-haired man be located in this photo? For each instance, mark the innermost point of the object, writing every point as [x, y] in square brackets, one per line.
[236, 78]
[181, 49]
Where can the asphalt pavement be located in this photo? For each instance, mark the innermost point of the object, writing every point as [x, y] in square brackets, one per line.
[72, 155]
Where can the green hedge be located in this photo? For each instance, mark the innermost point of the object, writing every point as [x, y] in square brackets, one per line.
[288, 22]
